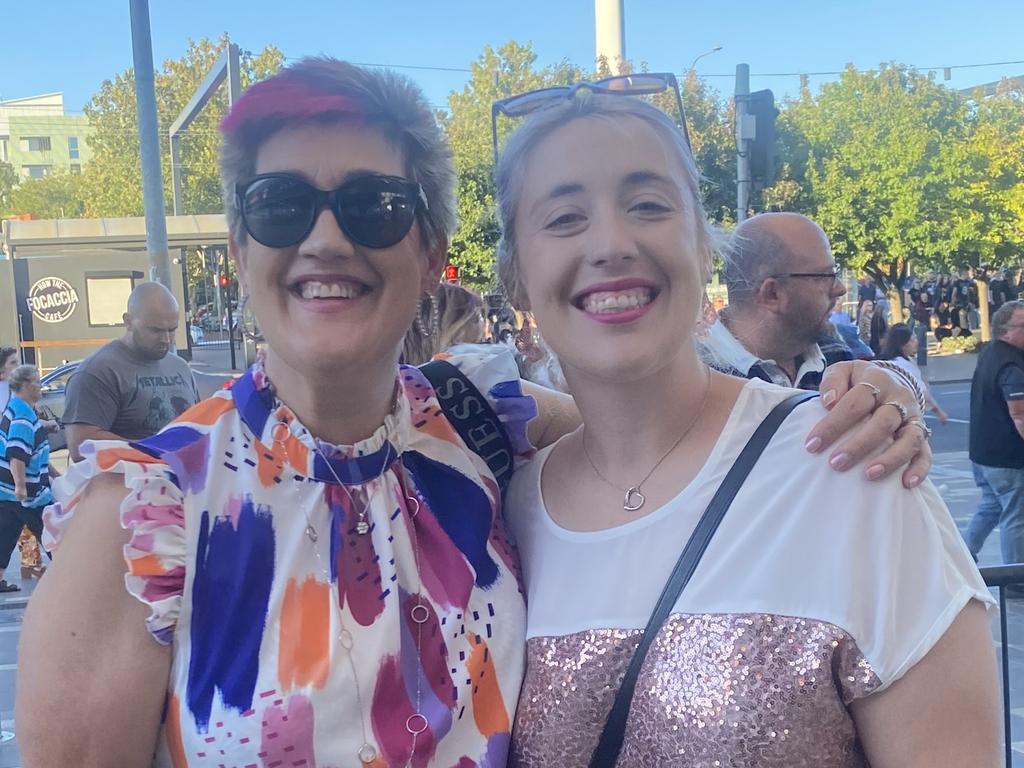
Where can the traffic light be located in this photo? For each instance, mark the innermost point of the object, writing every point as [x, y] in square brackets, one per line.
[223, 281]
[451, 273]
[761, 105]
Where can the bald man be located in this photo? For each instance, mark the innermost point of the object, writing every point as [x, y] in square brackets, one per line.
[783, 282]
[130, 388]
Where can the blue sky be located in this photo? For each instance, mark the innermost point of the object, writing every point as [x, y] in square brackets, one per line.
[86, 43]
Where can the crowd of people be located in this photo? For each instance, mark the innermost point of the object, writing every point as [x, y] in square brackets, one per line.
[315, 566]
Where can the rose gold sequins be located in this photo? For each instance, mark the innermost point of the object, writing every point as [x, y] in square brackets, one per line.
[716, 690]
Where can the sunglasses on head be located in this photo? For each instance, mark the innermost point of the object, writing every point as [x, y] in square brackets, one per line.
[279, 210]
[642, 84]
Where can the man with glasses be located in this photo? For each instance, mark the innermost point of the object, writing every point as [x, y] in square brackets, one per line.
[997, 436]
[782, 283]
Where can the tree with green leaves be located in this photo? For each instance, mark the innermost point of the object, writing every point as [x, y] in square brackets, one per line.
[879, 167]
[8, 181]
[57, 196]
[113, 177]
[497, 74]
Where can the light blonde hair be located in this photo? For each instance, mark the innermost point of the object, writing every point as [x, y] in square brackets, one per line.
[461, 321]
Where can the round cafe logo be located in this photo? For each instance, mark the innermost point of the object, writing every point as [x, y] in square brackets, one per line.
[52, 299]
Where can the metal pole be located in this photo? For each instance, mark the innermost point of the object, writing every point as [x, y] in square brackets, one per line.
[1004, 652]
[149, 145]
[742, 142]
[610, 32]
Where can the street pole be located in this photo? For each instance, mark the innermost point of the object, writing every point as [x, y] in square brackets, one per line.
[743, 139]
[149, 145]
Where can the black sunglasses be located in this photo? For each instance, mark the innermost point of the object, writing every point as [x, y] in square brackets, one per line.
[279, 210]
[642, 84]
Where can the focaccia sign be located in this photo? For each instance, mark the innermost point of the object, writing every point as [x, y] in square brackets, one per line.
[52, 299]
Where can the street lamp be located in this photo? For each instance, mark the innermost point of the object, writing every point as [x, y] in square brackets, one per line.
[716, 49]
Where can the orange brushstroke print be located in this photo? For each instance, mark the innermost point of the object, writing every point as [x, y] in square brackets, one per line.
[488, 704]
[172, 733]
[304, 642]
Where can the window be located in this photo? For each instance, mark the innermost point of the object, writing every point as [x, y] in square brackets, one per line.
[76, 168]
[107, 297]
[73, 147]
[35, 144]
[35, 171]
[5, 148]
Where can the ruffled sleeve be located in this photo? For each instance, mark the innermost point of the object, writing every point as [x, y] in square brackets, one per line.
[492, 369]
[153, 511]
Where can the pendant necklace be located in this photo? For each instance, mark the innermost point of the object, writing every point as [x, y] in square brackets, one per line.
[634, 498]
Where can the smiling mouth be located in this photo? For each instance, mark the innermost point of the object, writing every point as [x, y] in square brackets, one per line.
[327, 290]
[614, 302]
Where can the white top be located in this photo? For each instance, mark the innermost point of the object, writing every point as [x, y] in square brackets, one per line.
[723, 350]
[912, 368]
[862, 576]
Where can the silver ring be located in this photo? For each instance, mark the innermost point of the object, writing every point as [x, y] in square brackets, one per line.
[917, 421]
[904, 413]
[417, 719]
[420, 618]
[875, 391]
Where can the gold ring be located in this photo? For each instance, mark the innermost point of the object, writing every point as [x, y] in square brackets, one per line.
[917, 421]
[875, 391]
[904, 413]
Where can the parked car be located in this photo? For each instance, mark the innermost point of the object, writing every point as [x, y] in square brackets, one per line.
[55, 383]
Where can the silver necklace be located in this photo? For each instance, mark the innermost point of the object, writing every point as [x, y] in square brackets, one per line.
[417, 722]
[634, 498]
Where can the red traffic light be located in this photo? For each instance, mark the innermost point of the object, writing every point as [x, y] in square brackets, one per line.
[451, 273]
[224, 281]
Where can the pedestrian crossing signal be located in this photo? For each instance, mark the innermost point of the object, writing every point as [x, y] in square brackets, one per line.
[451, 273]
[224, 281]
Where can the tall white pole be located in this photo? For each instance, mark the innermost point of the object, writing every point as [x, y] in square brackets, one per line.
[149, 145]
[610, 29]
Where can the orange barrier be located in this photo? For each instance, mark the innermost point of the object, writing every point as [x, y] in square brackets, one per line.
[65, 343]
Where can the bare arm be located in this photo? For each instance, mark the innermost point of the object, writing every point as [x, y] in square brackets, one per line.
[18, 473]
[79, 433]
[1017, 414]
[945, 710]
[91, 679]
[557, 415]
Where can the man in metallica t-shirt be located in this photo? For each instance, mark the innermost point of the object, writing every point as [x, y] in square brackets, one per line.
[130, 388]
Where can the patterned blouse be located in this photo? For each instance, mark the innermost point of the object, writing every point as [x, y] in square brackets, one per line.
[818, 589]
[296, 639]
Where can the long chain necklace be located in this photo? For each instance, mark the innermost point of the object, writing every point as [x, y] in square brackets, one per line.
[634, 498]
[417, 722]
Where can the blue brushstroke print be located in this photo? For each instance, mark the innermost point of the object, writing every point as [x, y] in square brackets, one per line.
[230, 594]
[462, 508]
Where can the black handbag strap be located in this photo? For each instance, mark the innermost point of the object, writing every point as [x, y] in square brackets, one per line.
[610, 743]
[473, 418]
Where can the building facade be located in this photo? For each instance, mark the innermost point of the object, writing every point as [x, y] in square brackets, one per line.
[38, 139]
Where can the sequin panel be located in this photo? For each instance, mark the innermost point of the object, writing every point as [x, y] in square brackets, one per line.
[716, 690]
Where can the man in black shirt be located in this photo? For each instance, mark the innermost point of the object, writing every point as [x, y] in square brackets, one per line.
[997, 436]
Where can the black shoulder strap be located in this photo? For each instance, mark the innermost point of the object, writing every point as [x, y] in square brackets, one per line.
[607, 752]
[473, 418]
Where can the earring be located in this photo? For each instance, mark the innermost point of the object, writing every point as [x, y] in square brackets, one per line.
[430, 325]
[247, 321]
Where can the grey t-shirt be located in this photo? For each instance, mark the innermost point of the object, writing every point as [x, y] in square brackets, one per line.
[133, 397]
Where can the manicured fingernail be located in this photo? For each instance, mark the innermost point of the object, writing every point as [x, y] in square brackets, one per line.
[828, 398]
[913, 481]
[839, 461]
[813, 444]
[875, 471]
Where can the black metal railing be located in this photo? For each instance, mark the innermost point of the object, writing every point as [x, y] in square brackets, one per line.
[1001, 577]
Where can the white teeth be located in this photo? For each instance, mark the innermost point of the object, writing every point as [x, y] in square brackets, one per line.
[607, 302]
[313, 289]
